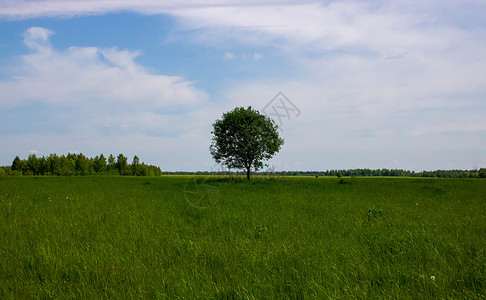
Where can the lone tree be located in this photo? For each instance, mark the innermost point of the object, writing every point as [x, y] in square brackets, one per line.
[244, 138]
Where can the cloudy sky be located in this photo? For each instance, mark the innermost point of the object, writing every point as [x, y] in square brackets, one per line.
[368, 84]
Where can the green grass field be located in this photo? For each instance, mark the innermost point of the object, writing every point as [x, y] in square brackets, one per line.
[293, 238]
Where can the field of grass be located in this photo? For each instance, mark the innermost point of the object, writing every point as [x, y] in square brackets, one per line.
[295, 238]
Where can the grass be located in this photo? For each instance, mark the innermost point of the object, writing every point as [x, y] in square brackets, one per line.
[179, 237]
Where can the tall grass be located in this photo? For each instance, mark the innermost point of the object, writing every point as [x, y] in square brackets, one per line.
[114, 237]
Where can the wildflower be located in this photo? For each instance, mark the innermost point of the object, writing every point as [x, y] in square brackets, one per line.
[416, 203]
[432, 277]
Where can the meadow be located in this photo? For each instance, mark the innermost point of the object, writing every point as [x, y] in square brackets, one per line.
[198, 237]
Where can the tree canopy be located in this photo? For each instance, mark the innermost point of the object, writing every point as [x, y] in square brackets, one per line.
[244, 138]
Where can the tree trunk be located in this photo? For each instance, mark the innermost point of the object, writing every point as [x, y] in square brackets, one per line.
[248, 173]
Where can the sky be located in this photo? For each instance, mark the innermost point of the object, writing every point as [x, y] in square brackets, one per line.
[397, 84]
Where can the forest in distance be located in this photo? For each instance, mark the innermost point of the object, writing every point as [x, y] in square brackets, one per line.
[80, 165]
[481, 173]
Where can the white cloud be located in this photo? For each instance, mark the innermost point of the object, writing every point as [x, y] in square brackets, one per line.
[228, 56]
[37, 38]
[89, 74]
[384, 27]
[465, 125]
[245, 56]
[23, 9]
[256, 56]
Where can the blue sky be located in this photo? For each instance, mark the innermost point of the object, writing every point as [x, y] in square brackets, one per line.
[379, 84]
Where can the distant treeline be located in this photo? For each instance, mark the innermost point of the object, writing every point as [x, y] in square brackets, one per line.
[402, 173]
[78, 164]
[481, 173]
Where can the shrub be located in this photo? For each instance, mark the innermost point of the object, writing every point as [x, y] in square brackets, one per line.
[260, 232]
[374, 212]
